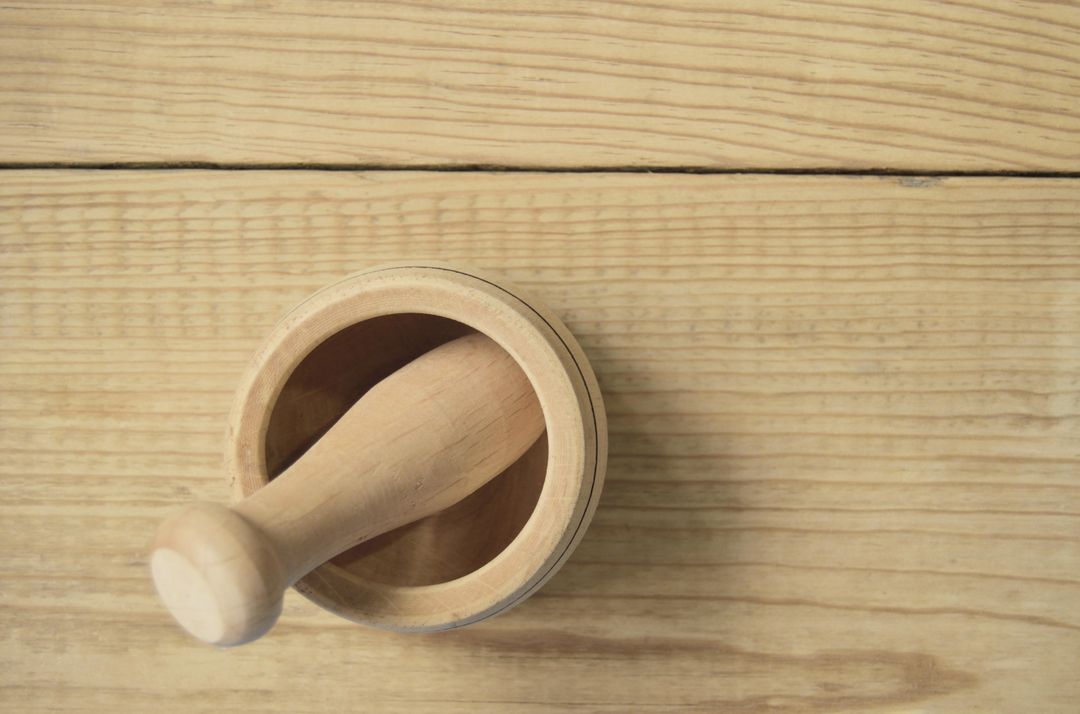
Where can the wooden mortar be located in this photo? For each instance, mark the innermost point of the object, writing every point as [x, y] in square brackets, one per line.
[483, 554]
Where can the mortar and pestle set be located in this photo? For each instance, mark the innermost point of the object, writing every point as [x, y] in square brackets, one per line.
[415, 448]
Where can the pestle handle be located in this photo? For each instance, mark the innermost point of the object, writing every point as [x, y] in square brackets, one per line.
[417, 442]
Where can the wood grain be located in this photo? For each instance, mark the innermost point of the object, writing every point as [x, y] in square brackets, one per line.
[922, 85]
[844, 447]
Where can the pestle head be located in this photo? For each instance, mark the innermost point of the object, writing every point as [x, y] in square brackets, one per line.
[216, 576]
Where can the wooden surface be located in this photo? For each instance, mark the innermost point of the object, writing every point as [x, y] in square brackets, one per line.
[922, 85]
[845, 464]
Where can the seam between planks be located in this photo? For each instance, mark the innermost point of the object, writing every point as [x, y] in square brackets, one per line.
[500, 168]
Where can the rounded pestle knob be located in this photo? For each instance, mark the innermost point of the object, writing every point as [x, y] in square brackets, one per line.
[417, 442]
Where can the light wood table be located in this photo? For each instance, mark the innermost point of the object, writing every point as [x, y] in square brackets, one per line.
[845, 442]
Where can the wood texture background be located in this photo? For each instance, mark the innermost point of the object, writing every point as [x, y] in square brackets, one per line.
[844, 434]
[845, 454]
[870, 84]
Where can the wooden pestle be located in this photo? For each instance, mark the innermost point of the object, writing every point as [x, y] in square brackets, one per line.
[417, 442]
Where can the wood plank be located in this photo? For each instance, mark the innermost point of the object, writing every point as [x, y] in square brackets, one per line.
[854, 84]
[844, 471]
